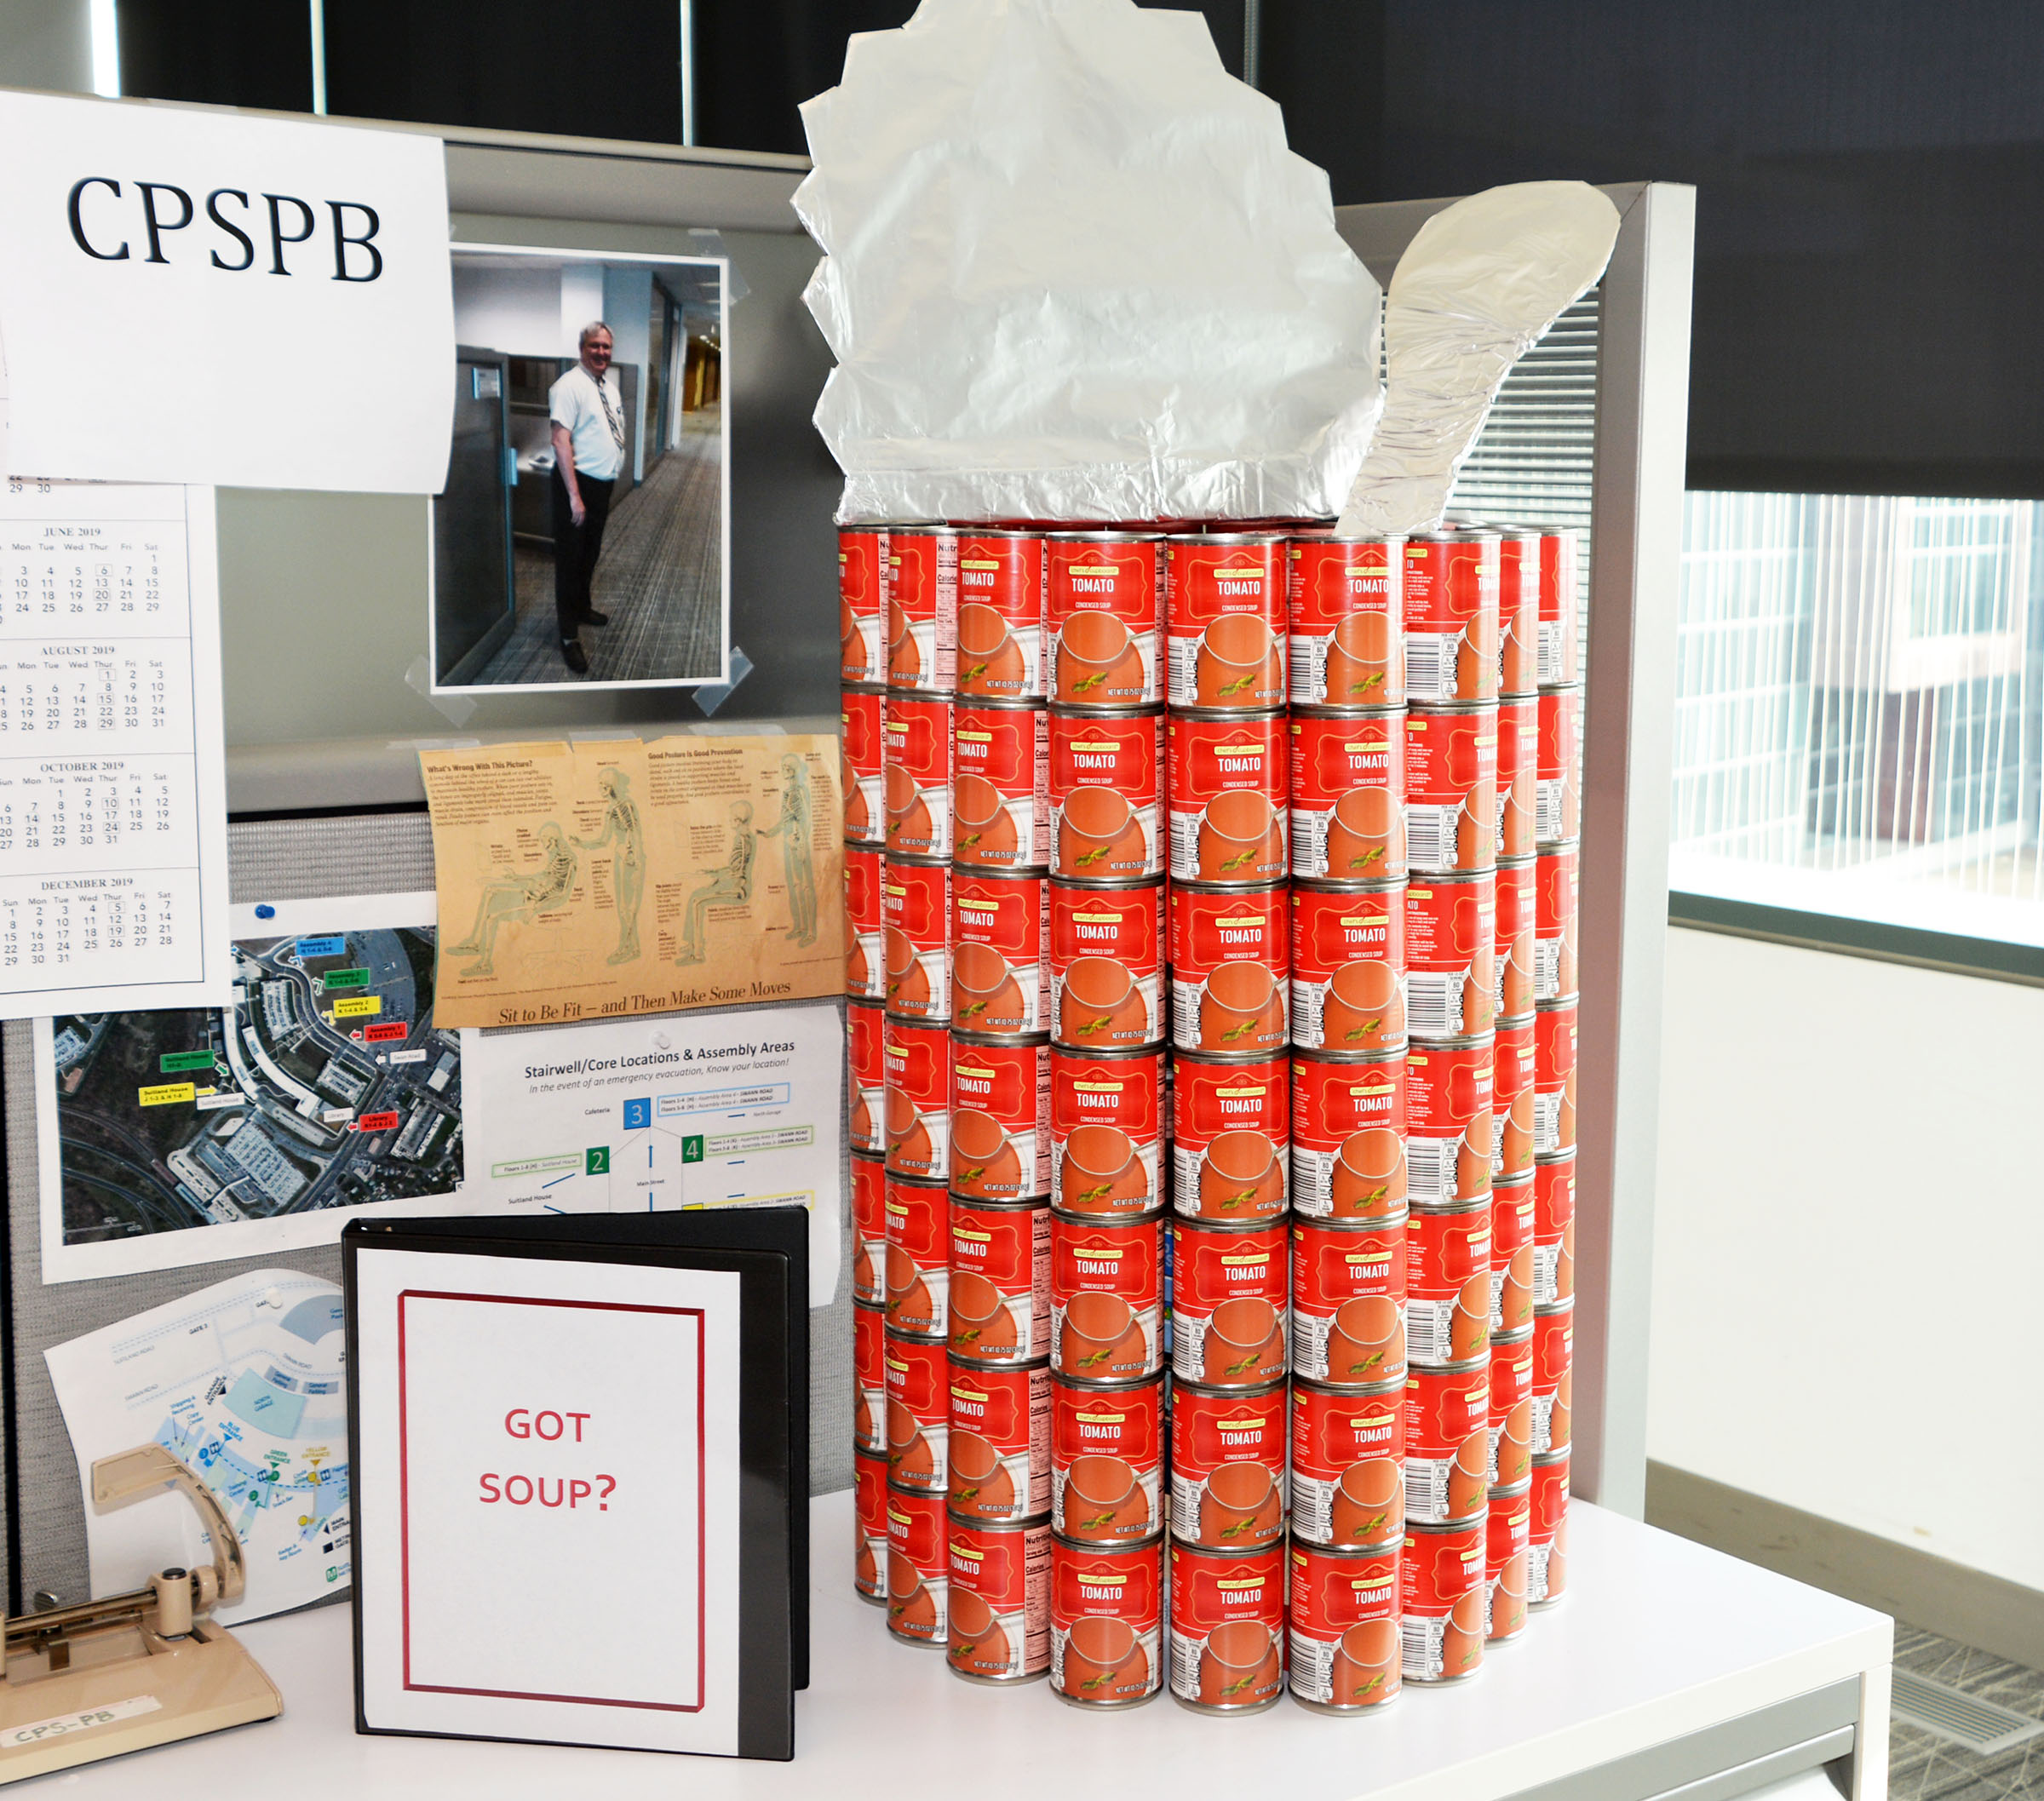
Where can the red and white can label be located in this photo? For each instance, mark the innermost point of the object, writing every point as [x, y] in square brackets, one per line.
[1227, 1466]
[1348, 963]
[1557, 764]
[1000, 1448]
[1560, 653]
[869, 1231]
[1230, 1134]
[1001, 579]
[1448, 1440]
[918, 1269]
[1231, 962]
[1348, 1301]
[1451, 617]
[1224, 622]
[1000, 790]
[1449, 1131]
[865, 952]
[1556, 923]
[1348, 1451]
[1106, 966]
[1553, 1388]
[1103, 619]
[1554, 1078]
[1000, 1298]
[868, 1377]
[862, 750]
[1514, 1256]
[1441, 1601]
[1229, 777]
[1226, 1625]
[919, 1411]
[1547, 1532]
[1515, 941]
[1554, 1196]
[1106, 796]
[1511, 1101]
[1518, 720]
[1228, 1312]
[862, 561]
[915, 776]
[916, 916]
[1105, 1131]
[867, 1073]
[869, 1536]
[1346, 598]
[1518, 613]
[1000, 1610]
[1344, 1650]
[1000, 1122]
[1348, 1135]
[1450, 789]
[1106, 1298]
[1106, 1622]
[1448, 1285]
[1348, 795]
[919, 1568]
[1107, 1460]
[918, 1059]
[1511, 1409]
[1000, 974]
[1451, 956]
[923, 608]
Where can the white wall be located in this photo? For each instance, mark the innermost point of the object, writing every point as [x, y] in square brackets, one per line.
[516, 310]
[46, 43]
[1849, 1245]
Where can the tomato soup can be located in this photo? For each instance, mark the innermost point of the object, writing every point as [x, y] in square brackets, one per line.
[1441, 1583]
[1560, 649]
[1348, 967]
[1517, 721]
[867, 1077]
[1348, 1455]
[916, 916]
[1227, 1464]
[1515, 941]
[1554, 1077]
[1557, 767]
[1229, 1285]
[1348, 1301]
[1345, 607]
[1518, 611]
[1511, 1101]
[1103, 619]
[1230, 1137]
[1107, 1132]
[869, 1532]
[999, 1600]
[1106, 795]
[1452, 616]
[918, 1268]
[919, 1413]
[1451, 956]
[1449, 1130]
[869, 1380]
[1448, 1440]
[1548, 1533]
[1348, 1134]
[1450, 789]
[1231, 968]
[1511, 1407]
[862, 593]
[1001, 579]
[1447, 1284]
[1228, 779]
[1106, 965]
[1553, 1282]
[923, 608]
[1347, 777]
[919, 1568]
[1554, 1229]
[862, 750]
[1344, 1651]
[1557, 930]
[918, 1063]
[1106, 1622]
[1000, 968]
[866, 944]
[1001, 785]
[1107, 1442]
[1554, 1383]
[868, 1230]
[1000, 1442]
[915, 776]
[1000, 1281]
[1106, 1297]
[1224, 620]
[1507, 1564]
[1226, 1627]
[1514, 1256]
[1000, 1118]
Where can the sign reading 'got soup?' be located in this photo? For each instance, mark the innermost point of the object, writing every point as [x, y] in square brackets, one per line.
[196, 297]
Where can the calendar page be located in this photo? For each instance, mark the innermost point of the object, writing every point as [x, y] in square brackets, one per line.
[113, 877]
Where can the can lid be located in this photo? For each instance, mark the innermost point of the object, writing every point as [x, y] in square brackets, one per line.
[1223, 538]
[1187, 1222]
[1303, 1384]
[1028, 1366]
[1113, 1547]
[1233, 1060]
[1304, 885]
[1302, 1548]
[979, 1522]
[1317, 1223]
[1335, 714]
[1110, 1052]
[1105, 537]
[998, 1040]
[998, 703]
[1228, 715]
[1227, 1391]
[1125, 1385]
[1305, 1054]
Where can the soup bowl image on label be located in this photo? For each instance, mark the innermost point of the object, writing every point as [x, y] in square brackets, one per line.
[916, 914]
[869, 1381]
[1516, 943]
[919, 1413]
[1106, 1622]
[1228, 1301]
[917, 1277]
[1106, 1297]
[1547, 1532]
[1348, 1449]
[1514, 1254]
[919, 1573]
[862, 560]
[1107, 1130]
[861, 746]
[1227, 1465]
[1348, 1135]
[1343, 1648]
[1442, 1572]
[1505, 1567]
[1000, 1290]
[1000, 974]
[1348, 959]
[1224, 602]
[1000, 792]
[1000, 1120]
[1511, 1409]
[868, 1230]
[999, 1600]
[1107, 1456]
[917, 1059]
[1348, 1293]
[1000, 1440]
[1452, 616]
[1447, 1441]
[1001, 580]
[1511, 1101]
[1345, 599]
[1106, 795]
[1348, 796]
[870, 1531]
[1230, 964]
[865, 952]
[1104, 618]
[1226, 1627]
[1225, 799]
[1230, 1121]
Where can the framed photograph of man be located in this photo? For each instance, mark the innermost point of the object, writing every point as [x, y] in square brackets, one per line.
[584, 536]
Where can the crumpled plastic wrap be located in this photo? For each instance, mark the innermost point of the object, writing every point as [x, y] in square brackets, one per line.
[1477, 288]
[1074, 273]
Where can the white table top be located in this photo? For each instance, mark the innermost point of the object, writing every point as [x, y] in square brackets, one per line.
[1657, 1638]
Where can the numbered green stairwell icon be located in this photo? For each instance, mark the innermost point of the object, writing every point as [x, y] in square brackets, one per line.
[596, 1160]
[691, 1149]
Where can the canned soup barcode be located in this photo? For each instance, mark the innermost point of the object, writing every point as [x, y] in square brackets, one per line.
[1547, 810]
[1426, 1488]
[1429, 1332]
[1430, 664]
[1430, 836]
[1433, 1003]
[1430, 1170]
[1547, 968]
[1546, 1122]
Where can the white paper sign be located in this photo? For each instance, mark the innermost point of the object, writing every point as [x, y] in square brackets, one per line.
[201, 297]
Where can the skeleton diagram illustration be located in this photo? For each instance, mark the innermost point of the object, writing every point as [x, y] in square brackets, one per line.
[627, 863]
[519, 897]
[731, 885]
[792, 828]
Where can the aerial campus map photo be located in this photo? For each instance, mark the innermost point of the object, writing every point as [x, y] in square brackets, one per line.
[325, 1086]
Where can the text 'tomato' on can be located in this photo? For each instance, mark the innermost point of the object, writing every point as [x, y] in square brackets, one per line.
[919, 1413]
[1000, 1288]
[1557, 767]
[1557, 923]
[1451, 616]
[1441, 1582]
[862, 564]
[1348, 1301]
[1450, 789]
[918, 1063]
[1514, 1256]
[865, 1026]
[1106, 965]
[1547, 1532]
[1560, 649]
[1001, 580]
[1447, 1283]
[1000, 785]
[919, 1567]
[1348, 967]
[1106, 795]
[1505, 1561]
[916, 914]
[861, 748]
[1515, 940]
[918, 1276]
[869, 1380]
[1230, 967]
[1227, 1464]
[1449, 1130]
[916, 775]
[1451, 956]
[870, 1533]
[1227, 784]
[1106, 1297]
[1517, 721]
[1108, 1458]
[1343, 1651]
[1345, 607]
[1226, 1625]
[1348, 1134]
[1103, 619]
[1000, 968]
[1518, 611]
[868, 1230]
[1347, 778]
[999, 1600]
[1000, 1443]
[1510, 1408]
[1230, 1137]
[1224, 620]
[1554, 1378]
[1000, 1118]
[1230, 1287]
[1554, 1030]
[1106, 1621]
[922, 607]
[1347, 1458]
[1106, 1131]
[865, 954]
[1448, 1440]
[1511, 1099]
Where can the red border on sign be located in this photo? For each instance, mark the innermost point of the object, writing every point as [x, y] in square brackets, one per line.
[405, 1506]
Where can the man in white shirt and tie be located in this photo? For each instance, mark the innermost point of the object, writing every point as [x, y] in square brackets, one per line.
[586, 407]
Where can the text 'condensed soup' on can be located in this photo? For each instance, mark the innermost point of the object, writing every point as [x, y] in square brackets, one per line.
[919, 1413]
[1517, 722]
[1510, 1408]
[918, 1274]
[1513, 1255]
[1106, 1298]
[1557, 923]
[1343, 1650]
[869, 1380]
[1108, 1458]
[862, 564]
[1518, 611]
[1345, 599]
[869, 1534]
[1348, 1135]
[1450, 1133]
[1001, 582]
[919, 1568]
[1348, 964]
[1106, 965]
[918, 1062]
[915, 776]
[1554, 1378]
[1106, 796]
[1348, 1301]
[1448, 1440]
[1230, 1137]
[1228, 778]
[1441, 1578]
[865, 948]
[923, 608]
[1229, 1291]
[1000, 1281]
[1447, 1284]
[1348, 1451]
[1001, 785]
[1348, 779]
[1224, 620]
[1560, 652]
[1104, 619]
[1554, 1032]
[1450, 789]
[1511, 1099]
[1000, 1118]
[1230, 961]
[1557, 767]
[862, 714]
[999, 1600]
[1106, 1129]
[1451, 616]
[1226, 1626]
[915, 926]
[1000, 1440]
[1515, 940]
[868, 1230]
[1547, 1532]
[1106, 1622]
[1228, 1464]
[1000, 970]
[1451, 956]
[865, 1026]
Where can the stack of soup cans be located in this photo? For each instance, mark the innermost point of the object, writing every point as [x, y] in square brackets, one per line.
[1212, 1207]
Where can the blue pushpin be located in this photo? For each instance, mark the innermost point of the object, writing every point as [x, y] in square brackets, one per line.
[264, 910]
